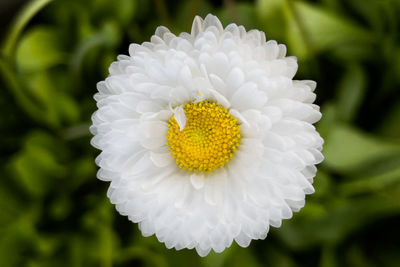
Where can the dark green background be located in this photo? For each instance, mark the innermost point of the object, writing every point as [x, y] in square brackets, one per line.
[54, 212]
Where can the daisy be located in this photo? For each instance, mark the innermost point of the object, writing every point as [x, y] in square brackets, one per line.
[205, 137]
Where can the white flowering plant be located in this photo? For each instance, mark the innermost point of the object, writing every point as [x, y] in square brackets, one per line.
[228, 133]
[205, 137]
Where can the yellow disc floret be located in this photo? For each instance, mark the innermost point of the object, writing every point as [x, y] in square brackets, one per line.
[208, 140]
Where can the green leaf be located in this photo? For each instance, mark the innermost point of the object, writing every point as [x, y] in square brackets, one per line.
[83, 170]
[395, 56]
[67, 108]
[186, 11]
[39, 85]
[329, 118]
[217, 259]
[59, 107]
[271, 16]
[342, 218]
[347, 148]
[275, 256]
[240, 13]
[121, 10]
[145, 256]
[19, 239]
[25, 100]
[35, 167]
[325, 30]
[11, 205]
[328, 257]
[373, 183]
[20, 21]
[106, 61]
[357, 257]
[39, 49]
[391, 123]
[308, 28]
[241, 257]
[89, 50]
[296, 35]
[60, 208]
[351, 91]
[372, 11]
[323, 185]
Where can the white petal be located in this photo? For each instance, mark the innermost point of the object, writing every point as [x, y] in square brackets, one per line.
[212, 20]
[161, 159]
[243, 240]
[160, 31]
[180, 117]
[197, 180]
[239, 116]
[203, 252]
[197, 26]
[248, 96]
[220, 98]
[235, 78]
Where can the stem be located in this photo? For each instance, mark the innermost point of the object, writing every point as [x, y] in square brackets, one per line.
[24, 100]
[19, 23]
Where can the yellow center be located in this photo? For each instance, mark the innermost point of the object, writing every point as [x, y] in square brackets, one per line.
[209, 139]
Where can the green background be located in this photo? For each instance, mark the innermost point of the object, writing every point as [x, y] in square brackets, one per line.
[54, 212]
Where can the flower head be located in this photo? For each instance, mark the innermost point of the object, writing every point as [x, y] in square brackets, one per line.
[205, 137]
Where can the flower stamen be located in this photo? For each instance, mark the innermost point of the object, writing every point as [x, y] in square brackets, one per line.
[208, 140]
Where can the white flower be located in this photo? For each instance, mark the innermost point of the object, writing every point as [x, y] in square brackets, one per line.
[205, 137]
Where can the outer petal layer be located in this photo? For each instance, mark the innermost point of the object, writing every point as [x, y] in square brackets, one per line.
[269, 175]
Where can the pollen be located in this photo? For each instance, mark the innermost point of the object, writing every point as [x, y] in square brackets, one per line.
[209, 140]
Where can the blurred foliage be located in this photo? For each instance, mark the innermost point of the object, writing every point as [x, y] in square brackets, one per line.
[53, 212]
